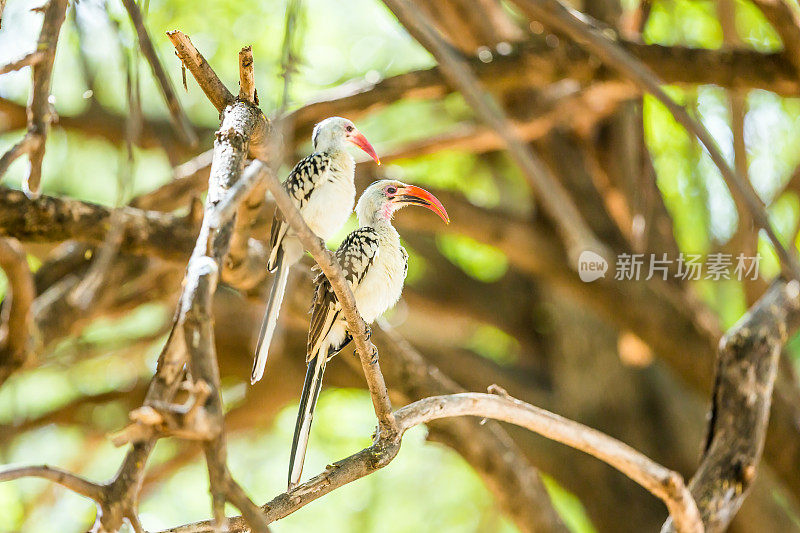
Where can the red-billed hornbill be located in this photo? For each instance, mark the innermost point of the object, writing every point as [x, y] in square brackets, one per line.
[374, 264]
[322, 188]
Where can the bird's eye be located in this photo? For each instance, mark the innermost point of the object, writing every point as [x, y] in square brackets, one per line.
[391, 190]
[349, 129]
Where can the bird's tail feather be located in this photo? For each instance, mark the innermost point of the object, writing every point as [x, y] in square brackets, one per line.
[302, 429]
[270, 319]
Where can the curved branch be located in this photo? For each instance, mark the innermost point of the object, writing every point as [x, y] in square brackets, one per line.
[662, 482]
[66, 479]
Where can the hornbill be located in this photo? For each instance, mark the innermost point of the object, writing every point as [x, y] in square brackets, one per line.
[375, 265]
[322, 188]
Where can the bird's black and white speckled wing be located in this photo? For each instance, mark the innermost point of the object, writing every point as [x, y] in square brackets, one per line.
[300, 185]
[356, 255]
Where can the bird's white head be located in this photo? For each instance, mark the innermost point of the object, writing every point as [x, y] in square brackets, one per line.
[383, 198]
[333, 134]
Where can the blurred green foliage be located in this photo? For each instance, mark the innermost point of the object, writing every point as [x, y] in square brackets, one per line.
[428, 488]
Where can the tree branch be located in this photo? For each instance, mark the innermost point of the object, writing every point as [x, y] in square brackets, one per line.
[27, 60]
[746, 370]
[205, 76]
[784, 19]
[66, 479]
[663, 483]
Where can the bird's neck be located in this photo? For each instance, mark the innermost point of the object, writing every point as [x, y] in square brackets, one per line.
[381, 222]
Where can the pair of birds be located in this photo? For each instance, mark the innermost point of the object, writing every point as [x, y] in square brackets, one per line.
[372, 258]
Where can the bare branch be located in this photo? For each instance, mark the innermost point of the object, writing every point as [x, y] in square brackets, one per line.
[191, 338]
[49, 219]
[179, 119]
[193, 60]
[25, 61]
[65, 479]
[554, 198]
[662, 482]
[584, 30]
[746, 370]
[247, 84]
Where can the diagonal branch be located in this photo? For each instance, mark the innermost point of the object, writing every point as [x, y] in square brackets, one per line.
[205, 76]
[585, 30]
[554, 198]
[25, 61]
[179, 119]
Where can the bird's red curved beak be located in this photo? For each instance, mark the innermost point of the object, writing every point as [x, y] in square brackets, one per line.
[359, 140]
[412, 194]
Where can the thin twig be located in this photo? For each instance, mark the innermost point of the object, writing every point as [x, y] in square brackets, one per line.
[40, 112]
[66, 479]
[179, 119]
[27, 60]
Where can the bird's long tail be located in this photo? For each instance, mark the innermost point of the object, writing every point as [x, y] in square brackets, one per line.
[270, 318]
[302, 429]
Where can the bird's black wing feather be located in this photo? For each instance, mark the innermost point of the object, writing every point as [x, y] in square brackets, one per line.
[356, 255]
[300, 185]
